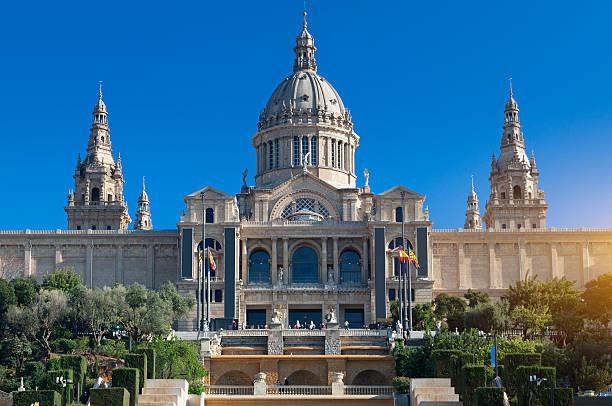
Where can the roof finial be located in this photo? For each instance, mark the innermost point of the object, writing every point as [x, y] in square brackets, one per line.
[100, 92]
[510, 80]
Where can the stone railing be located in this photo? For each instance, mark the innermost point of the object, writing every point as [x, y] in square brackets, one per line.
[298, 390]
[228, 390]
[367, 390]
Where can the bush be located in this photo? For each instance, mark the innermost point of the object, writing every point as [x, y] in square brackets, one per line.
[78, 364]
[529, 391]
[138, 361]
[109, 397]
[65, 392]
[511, 363]
[129, 379]
[401, 384]
[43, 397]
[473, 377]
[487, 396]
[150, 353]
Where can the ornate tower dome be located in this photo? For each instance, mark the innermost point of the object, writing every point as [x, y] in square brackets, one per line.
[305, 121]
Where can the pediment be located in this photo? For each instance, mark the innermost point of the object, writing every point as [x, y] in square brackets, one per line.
[395, 191]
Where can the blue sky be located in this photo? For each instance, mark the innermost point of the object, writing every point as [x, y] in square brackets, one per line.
[426, 84]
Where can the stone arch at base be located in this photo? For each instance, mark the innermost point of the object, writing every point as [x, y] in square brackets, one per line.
[370, 377]
[235, 377]
[304, 377]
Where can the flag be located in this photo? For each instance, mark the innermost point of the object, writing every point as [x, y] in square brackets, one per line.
[403, 256]
[413, 258]
[211, 261]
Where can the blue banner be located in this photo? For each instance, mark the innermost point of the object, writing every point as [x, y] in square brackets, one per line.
[492, 356]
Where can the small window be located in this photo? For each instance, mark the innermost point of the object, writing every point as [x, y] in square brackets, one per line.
[218, 295]
[503, 226]
[399, 215]
[79, 227]
[210, 215]
[391, 294]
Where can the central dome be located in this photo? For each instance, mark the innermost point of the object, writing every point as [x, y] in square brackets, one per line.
[304, 94]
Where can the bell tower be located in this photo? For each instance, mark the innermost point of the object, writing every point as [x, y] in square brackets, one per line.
[97, 200]
[516, 201]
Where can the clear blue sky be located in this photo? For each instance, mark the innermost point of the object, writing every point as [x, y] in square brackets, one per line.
[185, 82]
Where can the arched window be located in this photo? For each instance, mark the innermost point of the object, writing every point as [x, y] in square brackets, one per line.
[516, 192]
[259, 267]
[210, 215]
[350, 268]
[399, 214]
[95, 194]
[305, 266]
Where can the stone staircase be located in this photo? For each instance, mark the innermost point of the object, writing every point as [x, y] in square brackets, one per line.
[433, 392]
[164, 392]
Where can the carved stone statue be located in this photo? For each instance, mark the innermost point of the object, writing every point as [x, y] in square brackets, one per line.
[330, 317]
[366, 175]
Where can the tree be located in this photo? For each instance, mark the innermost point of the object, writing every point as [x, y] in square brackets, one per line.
[598, 299]
[62, 279]
[175, 359]
[445, 305]
[142, 312]
[476, 297]
[25, 290]
[38, 321]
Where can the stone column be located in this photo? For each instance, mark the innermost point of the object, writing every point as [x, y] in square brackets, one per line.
[285, 260]
[273, 270]
[336, 267]
[324, 259]
[460, 257]
[492, 280]
[245, 271]
[364, 260]
[554, 268]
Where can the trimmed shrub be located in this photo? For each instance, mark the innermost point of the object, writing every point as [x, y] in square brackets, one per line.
[511, 362]
[128, 378]
[473, 376]
[54, 363]
[138, 361]
[109, 397]
[401, 384]
[43, 397]
[78, 364]
[150, 353]
[68, 391]
[448, 364]
[488, 396]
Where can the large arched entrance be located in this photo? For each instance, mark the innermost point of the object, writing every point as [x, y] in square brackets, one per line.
[370, 377]
[303, 377]
[305, 266]
[235, 378]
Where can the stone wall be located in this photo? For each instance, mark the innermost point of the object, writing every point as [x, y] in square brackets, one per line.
[494, 260]
[146, 257]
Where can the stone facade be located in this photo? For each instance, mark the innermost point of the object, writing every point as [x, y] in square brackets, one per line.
[306, 237]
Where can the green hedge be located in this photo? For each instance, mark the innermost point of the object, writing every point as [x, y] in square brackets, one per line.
[138, 361]
[401, 384]
[530, 390]
[511, 362]
[43, 397]
[488, 396]
[66, 393]
[150, 353]
[448, 364]
[109, 397]
[473, 376]
[78, 364]
[128, 378]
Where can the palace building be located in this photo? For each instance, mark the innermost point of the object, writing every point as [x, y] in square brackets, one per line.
[308, 235]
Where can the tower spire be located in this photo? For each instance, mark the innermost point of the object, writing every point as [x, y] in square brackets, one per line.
[304, 49]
